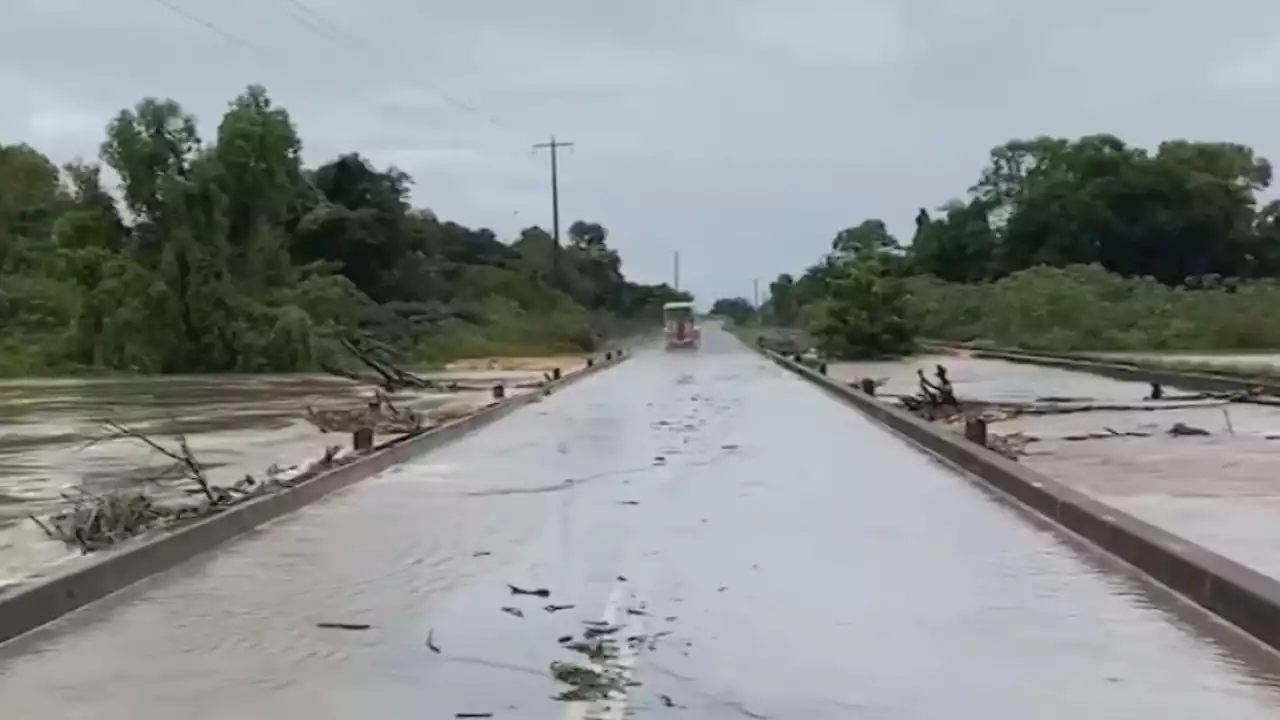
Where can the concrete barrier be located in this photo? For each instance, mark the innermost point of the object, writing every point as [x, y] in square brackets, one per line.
[103, 574]
[1203, 382]
[1237, 594]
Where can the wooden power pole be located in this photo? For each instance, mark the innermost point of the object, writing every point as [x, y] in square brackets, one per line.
[554, 146]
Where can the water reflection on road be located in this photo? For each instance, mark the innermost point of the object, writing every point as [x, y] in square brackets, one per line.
[781, 556]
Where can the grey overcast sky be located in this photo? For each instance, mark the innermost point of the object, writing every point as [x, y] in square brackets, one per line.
[744, 133]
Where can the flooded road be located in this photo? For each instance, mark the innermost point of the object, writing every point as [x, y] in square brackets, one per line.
[805, 563]
[236, 425]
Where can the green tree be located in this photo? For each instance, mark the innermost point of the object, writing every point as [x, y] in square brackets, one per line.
[738, 309]
[231, 255]
[864, 312]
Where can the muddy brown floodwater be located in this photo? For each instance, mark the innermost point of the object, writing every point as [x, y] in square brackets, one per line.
[1220, 490]
[236, 425]
[758, 549]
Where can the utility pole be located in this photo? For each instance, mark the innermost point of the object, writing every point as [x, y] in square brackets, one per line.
[675, 266]
[554, 146]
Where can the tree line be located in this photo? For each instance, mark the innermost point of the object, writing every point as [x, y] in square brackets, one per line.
[228, 254]
[1062, 244]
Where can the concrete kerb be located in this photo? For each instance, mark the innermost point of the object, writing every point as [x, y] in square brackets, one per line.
[46, 600]
[1204, 382]
[1237, 594]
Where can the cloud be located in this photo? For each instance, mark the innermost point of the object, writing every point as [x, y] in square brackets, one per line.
[744, 133]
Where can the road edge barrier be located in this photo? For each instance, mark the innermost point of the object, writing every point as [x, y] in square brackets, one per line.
[1131, 371]
[28, 607]
[1237, 594]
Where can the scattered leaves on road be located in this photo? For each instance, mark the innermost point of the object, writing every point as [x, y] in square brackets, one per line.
[587, 684]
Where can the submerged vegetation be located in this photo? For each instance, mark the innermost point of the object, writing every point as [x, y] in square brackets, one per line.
[228, 254]
[1087, 244]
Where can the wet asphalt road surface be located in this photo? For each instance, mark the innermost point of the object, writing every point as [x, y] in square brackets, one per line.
[805, 563]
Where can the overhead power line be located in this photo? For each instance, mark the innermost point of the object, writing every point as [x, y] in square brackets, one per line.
[215, 29]
[319, 20]
[316, 21]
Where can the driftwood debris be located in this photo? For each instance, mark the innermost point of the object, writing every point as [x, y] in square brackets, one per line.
[392, 378]
[934, 400]
[380, 414]
[95, 521]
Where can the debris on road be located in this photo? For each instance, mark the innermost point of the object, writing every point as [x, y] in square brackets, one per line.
[654, 638]
[472, 715]
[1184, 430]
[343, 626]
[597, 650]
[637, 611]
[540, 592]
[431, 645]
[557, 608]
[564, 639]
[481, 553]
[599, 630]
[512, 611]
[628, 502]
[667, 701]
[588, 684]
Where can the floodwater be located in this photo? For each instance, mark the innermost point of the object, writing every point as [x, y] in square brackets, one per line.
[235, 424]
[1254, 359]
[1220, 490]
[772, 552]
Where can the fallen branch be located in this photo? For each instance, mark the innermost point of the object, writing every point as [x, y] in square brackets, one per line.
[393, 378]
[95, 521]
[182, 457]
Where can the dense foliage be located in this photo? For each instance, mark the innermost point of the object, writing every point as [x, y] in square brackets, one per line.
[230, 255]
[1061, 244]
[738, 309]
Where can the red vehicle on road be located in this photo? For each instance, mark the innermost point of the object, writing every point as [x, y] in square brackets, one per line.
[681, 331]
